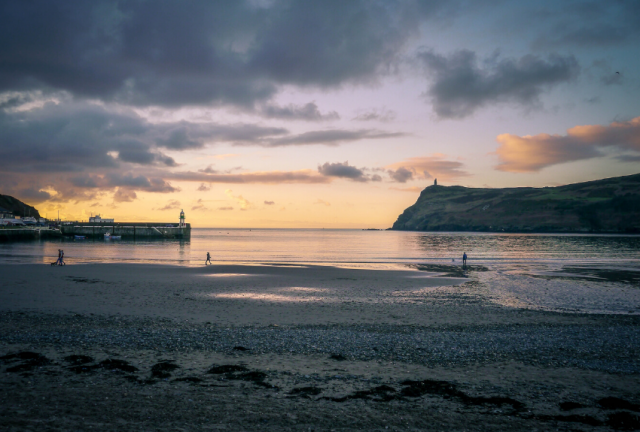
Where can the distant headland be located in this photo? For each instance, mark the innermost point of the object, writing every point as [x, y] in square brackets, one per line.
[602, 206]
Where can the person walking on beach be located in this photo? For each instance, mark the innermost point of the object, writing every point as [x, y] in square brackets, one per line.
[62, 257]
[208, 259]
[59, 257]
[464, 259]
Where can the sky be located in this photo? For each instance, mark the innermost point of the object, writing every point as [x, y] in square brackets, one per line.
[308, 114]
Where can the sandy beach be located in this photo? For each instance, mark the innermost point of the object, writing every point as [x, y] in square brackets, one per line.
[301, 347]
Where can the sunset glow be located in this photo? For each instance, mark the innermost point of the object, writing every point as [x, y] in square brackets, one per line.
[308, 114]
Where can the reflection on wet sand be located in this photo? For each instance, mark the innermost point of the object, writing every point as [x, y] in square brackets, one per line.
[292, 294]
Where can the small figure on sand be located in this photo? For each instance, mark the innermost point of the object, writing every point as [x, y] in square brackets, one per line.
[60, 257]
[208, 259]
[464, 259]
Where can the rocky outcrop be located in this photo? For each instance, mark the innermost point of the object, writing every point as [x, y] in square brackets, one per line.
[606, 206]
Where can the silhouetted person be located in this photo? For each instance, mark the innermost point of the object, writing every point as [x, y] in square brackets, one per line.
[59, 257]
[464, 259]
[62, 257]
[208, 259]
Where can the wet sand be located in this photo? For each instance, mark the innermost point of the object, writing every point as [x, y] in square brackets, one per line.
[144, 347]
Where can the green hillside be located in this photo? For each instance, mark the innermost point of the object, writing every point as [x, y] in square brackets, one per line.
[607, 206]
[17, 207]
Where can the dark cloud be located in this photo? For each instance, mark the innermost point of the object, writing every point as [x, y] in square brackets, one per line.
[86, 182]
[60, 143]
[57, 144]
[401, 175]
[308, 112]
[124, 195]
[201, 52]
[178, 139]
[225, 208]
[204, 188]
[459, 85]
[140, 182]
[139, 153]
[342, 170]
[628, 158]
[14, 100]
[590, 24]
[269, 202]
[33, 196]
[331, 137]
[382, 115]
[70, 137]
[208, 170]
[113, 180]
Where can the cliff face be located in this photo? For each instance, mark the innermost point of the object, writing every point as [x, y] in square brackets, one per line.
[609, 206]
[17, 207]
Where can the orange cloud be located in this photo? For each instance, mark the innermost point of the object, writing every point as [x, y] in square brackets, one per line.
[408, 189]
[268, 177]
[533, 153]
[244, 203]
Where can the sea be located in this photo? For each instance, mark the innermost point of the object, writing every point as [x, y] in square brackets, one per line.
[335, 246]
[559, 272]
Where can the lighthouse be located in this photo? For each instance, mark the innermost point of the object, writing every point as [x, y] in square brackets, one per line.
[182, 224]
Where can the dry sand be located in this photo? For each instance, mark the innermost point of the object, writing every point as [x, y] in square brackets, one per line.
[235, 347]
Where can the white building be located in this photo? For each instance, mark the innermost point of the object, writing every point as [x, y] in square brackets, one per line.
[98, 219]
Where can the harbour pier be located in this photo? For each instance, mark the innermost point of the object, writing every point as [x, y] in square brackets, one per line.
[28, 233]
[128, 230]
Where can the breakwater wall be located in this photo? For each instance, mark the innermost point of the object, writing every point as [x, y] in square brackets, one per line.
[128, 230]
[10, 234]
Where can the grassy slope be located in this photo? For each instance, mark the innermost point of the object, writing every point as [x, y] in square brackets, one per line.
[18, 207]
[609, 205]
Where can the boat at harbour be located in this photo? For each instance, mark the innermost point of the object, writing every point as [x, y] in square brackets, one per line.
[108, 236]
[79, 237]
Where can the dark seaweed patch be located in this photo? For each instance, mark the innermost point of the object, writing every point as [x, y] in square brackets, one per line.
[83, 280]
[162, 369]
[83, 368]
[449, 390]
[623, 420]
[612, 403]
[338, 357]
[306, 391]
[78, 359]
[568, 406]
[24, 355]
[223, 369]
[32, 360]
[240, 348]
[450, 270]
[115, 364]
[193, 380]
[584, 419]
[383, 393]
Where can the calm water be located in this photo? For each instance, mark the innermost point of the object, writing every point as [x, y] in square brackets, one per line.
[336, 247]
[526, 271]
